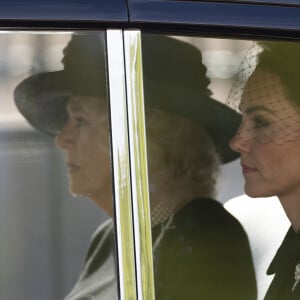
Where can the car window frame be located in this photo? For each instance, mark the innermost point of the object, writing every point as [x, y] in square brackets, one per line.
[139, 282]
[129, 159]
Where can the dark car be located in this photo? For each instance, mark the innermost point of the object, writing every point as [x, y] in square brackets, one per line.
[44, 230]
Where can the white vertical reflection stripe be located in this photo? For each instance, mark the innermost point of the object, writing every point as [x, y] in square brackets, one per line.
[121, 166]
[138, 155]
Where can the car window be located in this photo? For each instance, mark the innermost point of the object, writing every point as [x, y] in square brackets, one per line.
[79, 111]
[56, 210]
[196, 186]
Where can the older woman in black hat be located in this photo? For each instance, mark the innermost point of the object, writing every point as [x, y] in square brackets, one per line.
[200, 250]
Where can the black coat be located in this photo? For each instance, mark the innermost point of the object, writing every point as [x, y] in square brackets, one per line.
[204, 255]
[283, 266]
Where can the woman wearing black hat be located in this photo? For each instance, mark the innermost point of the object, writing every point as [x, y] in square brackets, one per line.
[200, 250]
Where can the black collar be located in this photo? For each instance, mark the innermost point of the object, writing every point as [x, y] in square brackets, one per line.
[288, 254]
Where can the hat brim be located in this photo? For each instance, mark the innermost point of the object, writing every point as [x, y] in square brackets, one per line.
[42, 99]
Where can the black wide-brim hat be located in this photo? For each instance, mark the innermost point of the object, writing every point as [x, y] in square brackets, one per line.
[174, 80]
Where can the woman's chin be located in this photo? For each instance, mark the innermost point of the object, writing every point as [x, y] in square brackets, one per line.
[256, 192]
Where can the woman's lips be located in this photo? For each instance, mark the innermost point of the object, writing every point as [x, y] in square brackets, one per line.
[246, 169]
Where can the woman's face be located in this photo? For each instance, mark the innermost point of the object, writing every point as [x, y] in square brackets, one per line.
[268, 138]
[84, 138]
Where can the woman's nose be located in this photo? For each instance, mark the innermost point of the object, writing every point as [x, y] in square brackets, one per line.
[240, 141]
[65, 137]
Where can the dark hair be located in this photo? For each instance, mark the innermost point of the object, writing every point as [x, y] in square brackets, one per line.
[283, 59]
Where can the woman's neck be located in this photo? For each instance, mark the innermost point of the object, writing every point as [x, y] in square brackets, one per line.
[104, 200]
[291, 206]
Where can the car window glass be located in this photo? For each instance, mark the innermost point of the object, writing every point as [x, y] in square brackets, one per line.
[205, 231]
[55, 177]
[56, 182]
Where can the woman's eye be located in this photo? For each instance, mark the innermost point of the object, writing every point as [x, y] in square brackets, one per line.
[79, 121]
[260, 122]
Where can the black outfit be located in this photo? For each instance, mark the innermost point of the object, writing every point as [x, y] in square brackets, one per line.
[283, 265]
[204, 254]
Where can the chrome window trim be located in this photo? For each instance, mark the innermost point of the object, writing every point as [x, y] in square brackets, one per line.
[129, 159]
[121, 165]
[138, 161]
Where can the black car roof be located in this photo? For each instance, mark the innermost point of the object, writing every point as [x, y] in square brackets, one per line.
[162, 14]
[64, 10]
[243, 13]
